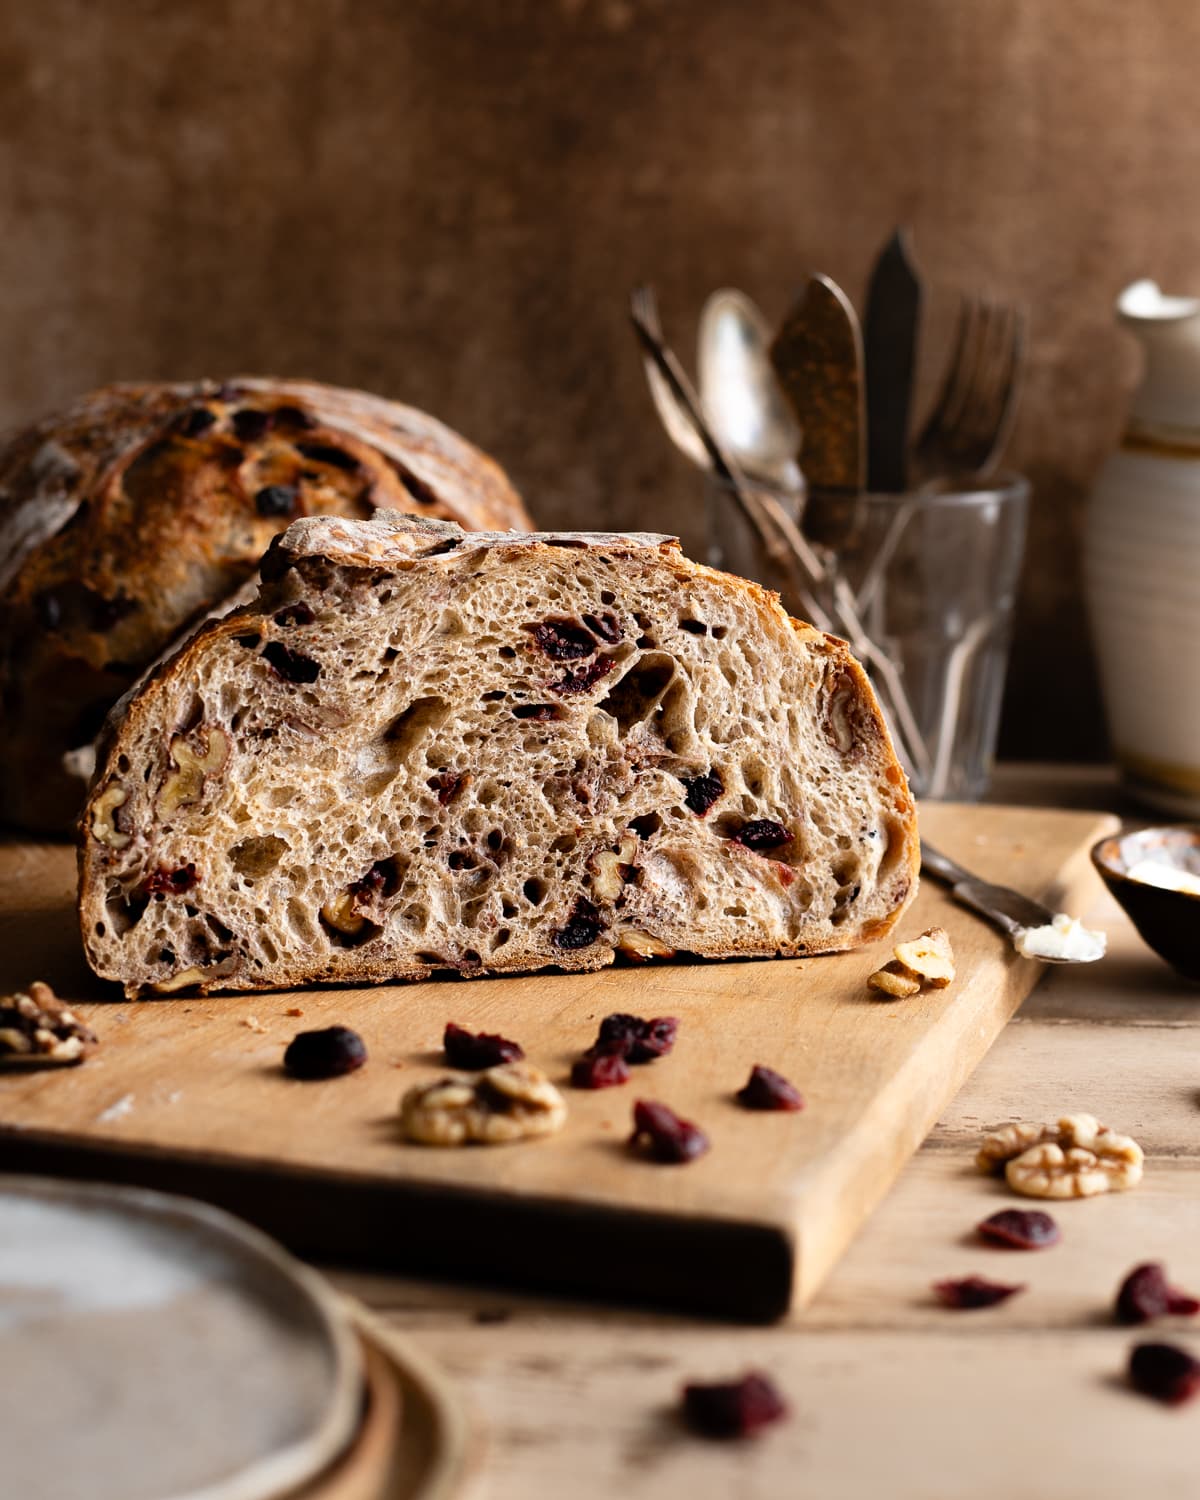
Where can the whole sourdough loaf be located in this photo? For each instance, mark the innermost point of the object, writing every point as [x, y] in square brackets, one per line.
[421, 749]
[129, 516]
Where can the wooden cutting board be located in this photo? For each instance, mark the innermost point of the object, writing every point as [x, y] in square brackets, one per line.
[189, 1095]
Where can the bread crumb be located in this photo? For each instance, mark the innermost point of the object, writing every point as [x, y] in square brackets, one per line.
[252, 1023]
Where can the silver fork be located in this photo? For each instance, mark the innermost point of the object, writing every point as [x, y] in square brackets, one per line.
[973, 416]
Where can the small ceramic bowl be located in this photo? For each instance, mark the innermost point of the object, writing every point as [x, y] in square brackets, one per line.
[1169, 921]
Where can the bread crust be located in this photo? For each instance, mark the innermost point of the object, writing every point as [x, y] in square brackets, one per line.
[131, 514]
[348, 564]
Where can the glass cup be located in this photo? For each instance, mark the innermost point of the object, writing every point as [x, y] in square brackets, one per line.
[934, 574]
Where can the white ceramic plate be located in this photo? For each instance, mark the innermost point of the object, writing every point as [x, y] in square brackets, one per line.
[154, 1348]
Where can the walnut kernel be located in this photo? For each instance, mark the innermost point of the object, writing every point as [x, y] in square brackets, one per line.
[641, 946]
[1075, 1158]
[930, 957]
[511, 1102]
[341, 914]
[924, 960]
[187, 782]
[179, 981]
[37, 1028]
[1009, 1141]
[612, 868]
[104, 827]
[895, 981]
[1087, 1159]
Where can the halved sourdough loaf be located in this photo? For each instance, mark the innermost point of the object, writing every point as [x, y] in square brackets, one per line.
[421, 749]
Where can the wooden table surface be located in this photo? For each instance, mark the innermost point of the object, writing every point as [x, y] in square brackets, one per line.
[892, 1395]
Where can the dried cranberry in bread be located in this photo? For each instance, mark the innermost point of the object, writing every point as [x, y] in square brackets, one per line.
[422, 749]
[129, 516]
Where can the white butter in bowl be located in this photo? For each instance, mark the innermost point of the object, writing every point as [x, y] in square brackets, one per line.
[1065, 940]
[1166, 877]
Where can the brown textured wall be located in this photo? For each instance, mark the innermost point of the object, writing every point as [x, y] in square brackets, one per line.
[447, 201]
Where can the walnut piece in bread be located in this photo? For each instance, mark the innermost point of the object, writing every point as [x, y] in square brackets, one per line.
[480, 753]
[127, 517]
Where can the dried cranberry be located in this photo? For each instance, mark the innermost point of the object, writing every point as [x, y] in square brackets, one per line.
[600, 1067]
[1145, 1294]
[382, 879]
[1164, 1371]
[702, 791]
[767, 1089]
[665, 1137]
[735, 1408]
[1020, 1229]
[324, 1054]
[291, 665]
[445, 784]
[249, 425]
[171, 882]
[196, 421]
[295, 614]
[535, 711]
[582, 929]
[562, 640]
[973, 1291]
[276, 500]
[581, 679]
[326, 453]
[642, 1040]
[606, 626]
[763, 833]
[474, 1051]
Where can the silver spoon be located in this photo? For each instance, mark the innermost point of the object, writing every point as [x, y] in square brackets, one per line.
[1006, 909]
[741, 396]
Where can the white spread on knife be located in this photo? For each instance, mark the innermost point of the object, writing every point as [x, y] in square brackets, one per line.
[1064, 938]
[1167, 877]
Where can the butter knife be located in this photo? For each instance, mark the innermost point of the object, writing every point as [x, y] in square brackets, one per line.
[889, 343]
[818, 357]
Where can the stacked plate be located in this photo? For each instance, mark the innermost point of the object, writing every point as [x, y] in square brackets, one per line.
[157, 1349]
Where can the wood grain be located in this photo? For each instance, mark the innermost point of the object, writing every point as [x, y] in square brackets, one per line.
[190, 1094]
[891, 1394]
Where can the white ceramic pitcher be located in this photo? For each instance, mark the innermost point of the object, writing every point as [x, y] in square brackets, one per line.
[1142, 560]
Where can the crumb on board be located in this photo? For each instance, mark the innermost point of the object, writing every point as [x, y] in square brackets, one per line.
[117, 1110]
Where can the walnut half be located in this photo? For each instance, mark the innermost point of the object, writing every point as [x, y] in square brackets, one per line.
[510, 1102]
[1077, 1158]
